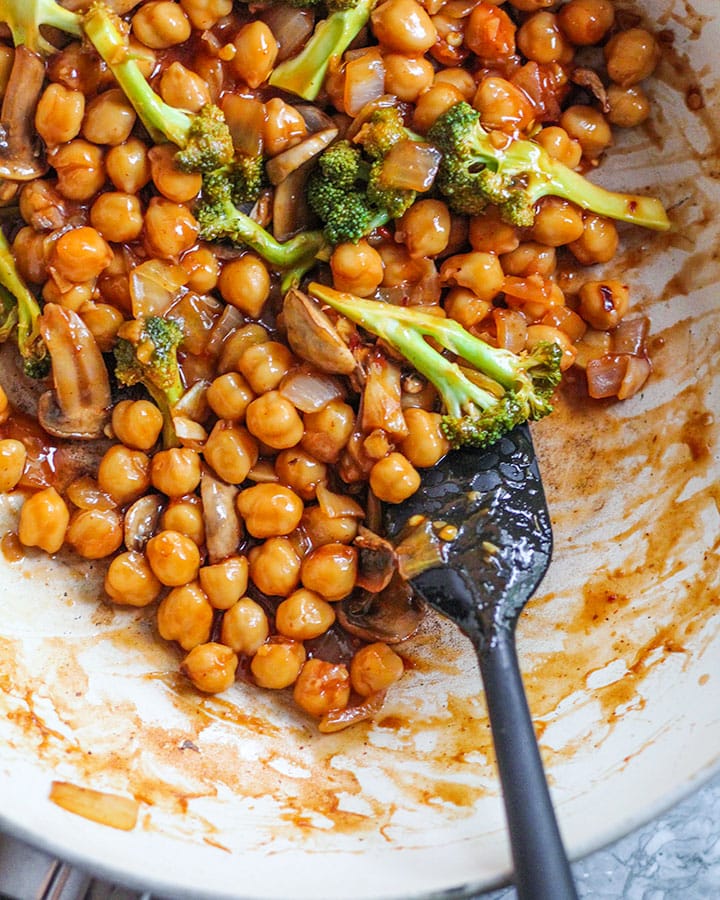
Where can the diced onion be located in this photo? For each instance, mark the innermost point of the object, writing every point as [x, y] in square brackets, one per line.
[309, 391]
[605, 375]
[364, 81]
[637, 373]
[410, 165]
[154, 285]
[630, 335]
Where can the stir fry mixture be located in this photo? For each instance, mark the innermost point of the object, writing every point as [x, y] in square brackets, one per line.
[262, 263]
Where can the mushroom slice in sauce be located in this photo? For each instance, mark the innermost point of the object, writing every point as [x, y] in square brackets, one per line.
[142, 520]
[392, 616]
[377, 561]
[222, 523]
[79, 405]
[21, 156]
[589, 79]
[287, 162]
[313, 336]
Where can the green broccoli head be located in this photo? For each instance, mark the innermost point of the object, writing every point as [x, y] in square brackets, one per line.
[333, 195]
[146, 353]
[240, 182]
[382, 130]
[208, 144]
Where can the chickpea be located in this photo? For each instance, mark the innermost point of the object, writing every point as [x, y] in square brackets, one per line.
[489, 234]
[586, 22]
[128, 166]
[95, 533]
[231, 452]
[631, 56]
[59, 114]
[598, 243]
[210, 667]
[356, 268]
[12, 463]
[109, 118]
[424, 228]
[557, 222]
[330, 570]
[170, 228]
[137, 423]
[124, 473]
[490, 33]
[273, 420]
[299, 470]
[168, 178]
[304, 615]
[459, 78]
[324, 529]
[80, 169]
[204, 14]
[130, 580]
[186, 517]
[589, 127]
[328, 430]
[604, 303]
[560, 145]
[103, 322]
[30, 250]
[202, 269]
[44, 520]
[275, 567]
[42, 206]
[432, 103]
[269, 510]
[245, 284]
[426, 443]
[265, 365]
[530, 258]
[245, 627]
[183, 88]
[117, 217]
[229, 396]
[176, 471]
[185, 616]
[80, 254]
[173, 557]
[407, 76]
[502, 106]
[225, 582]
[629, 106]
[403, 26]
[322, 687]
[467, 309]
[374, 668]
[538, 333]
[255, 53]
[284, 127]
[479, 272]
[394, 478]
[161, 24]
[277, 664]
[541, 40]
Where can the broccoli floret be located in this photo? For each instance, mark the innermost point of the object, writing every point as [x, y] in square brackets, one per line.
[244, 178]
[501, 390]
[21, 313]
[146, 354]
[474, 173]
[305, 73]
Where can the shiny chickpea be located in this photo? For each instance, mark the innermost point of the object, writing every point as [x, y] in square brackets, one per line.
[604, 303]
[168, 178]
[161, 24]
[137, 423]
[403, 26]
[322, 528]
[124, 473]
[269, 510]
[211, 667]
[80, 254]
[185, 616]
[255, 53]
[44, 520]
[128, 166]
[426, 443]
[540, 39]
[185, 516]
[275, 567]
[322, 687]
[173, 557]
[304, 615]
[237, 343]
[459, 78]
[328, 430]
[424, 228]
[490, 234]
[176, 471]
[356, 268]
[273, 420]
[184, 89]
[629, 106]
[467, 309]
[30, 250]
[109, 118]
[245, 284]
[479, 272]
[598, 243]
[80, 169]
[560, 145]
[407, 76]
[530, 258]
[277, 664]
[204, 14]
[95, 533]
[394, 478]
[202, 269]
[170, 228]
[374, 668]
[502, 106]
[557, 222]
[117, 217]
[300, 471]
[631, 56]
[225, 582]
[12, 463]
[490, 32]
[265, 365]
[586, 22]
[230, 451]
[330, 570]
[244, 626]
[130, 580]
[432, 103]
[229, 396]
[589, 127]
[59, 114]
[284, 127]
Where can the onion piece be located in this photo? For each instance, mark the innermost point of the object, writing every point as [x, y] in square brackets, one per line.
[630, 335]
[337, 719]
[222, 523]
[605, 375]
[142, 520]
[193, 403]
[411, 165]
[308, 390]
[637, 373]
[154, 285]
[364, 80]
[85, 493]
[338, 506]
[291, 211]
[291, 27]
[381, 405]
[312, 336]
[280, 166]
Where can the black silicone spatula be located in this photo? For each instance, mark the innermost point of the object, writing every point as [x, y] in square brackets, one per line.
[489, 506]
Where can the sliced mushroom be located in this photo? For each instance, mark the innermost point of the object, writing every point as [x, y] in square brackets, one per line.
[589, 79]
[21, 155]
[282, 165]
[377, 561]
[79, 406]
[291, 211]
[222, 524]
[142, 520]
[313, 336]
[391, 616]
[337, 719]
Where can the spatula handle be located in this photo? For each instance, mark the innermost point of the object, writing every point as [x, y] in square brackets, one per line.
[542, 870]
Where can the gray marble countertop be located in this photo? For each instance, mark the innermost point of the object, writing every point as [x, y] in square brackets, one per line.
[674, 857]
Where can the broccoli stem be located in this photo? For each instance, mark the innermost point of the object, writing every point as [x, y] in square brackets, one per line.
[305, 73]
[28, 309]
[24, 18]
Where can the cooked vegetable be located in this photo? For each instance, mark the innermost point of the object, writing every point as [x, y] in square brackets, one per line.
[21, 313]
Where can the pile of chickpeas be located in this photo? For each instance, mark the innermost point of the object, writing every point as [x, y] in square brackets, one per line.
[111, 201]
